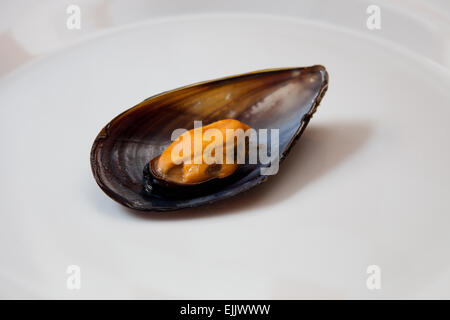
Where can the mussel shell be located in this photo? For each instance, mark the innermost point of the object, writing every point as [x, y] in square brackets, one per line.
[283, 99]
[155, 186]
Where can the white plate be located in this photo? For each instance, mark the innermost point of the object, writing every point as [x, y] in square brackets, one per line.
[367, 184]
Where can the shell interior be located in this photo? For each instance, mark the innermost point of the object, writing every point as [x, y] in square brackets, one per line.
[283, 99]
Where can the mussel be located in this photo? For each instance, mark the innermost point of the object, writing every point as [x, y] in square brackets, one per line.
[129, 155]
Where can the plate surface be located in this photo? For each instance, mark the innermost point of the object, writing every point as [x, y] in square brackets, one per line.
[367, 184]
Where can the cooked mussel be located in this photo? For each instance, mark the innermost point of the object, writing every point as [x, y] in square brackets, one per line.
[132, 157]
[198, 158]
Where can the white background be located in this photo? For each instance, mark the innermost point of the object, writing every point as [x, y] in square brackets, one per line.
[367, 184]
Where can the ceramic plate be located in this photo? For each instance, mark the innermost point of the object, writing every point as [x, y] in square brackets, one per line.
[367, 184]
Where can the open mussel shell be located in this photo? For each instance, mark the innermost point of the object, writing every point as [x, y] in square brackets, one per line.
[283, 99]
